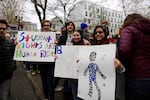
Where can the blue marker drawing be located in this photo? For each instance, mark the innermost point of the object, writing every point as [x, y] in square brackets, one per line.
[93, 68]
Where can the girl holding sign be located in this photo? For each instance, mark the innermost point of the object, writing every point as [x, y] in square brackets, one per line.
[77, 40]
[100, 38]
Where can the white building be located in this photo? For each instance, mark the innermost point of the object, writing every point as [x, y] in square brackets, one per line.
[24, 25]
[94, 14]
[29, 26]
[57, 23]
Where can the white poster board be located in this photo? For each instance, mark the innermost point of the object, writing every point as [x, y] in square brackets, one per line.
[35, 46]
[65, 65]
[96, 78]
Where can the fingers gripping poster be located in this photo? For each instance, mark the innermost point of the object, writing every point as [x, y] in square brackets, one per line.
[35, 46]
[96, 77]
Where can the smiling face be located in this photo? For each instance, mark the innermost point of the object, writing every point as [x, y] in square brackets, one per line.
[76, 36]
[99, 34]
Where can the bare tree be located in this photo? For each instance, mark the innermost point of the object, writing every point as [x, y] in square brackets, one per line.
[124, 7]
[10, 9]
[56, 8]
[65, 7]
[40, 8]
[136, 6]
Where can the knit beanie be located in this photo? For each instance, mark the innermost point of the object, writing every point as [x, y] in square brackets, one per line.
[83, 25]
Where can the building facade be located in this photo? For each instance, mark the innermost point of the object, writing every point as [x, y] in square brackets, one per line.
[94, 14]
[21, 26]
[29, 26]
[57, 23]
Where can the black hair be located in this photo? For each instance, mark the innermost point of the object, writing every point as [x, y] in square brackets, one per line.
[103, 28]
[4, 22]
[81, 42]
[67, 23]
[44, 21]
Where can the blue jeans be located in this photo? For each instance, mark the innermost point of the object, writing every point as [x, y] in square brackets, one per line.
[5, 89]
[138, 89]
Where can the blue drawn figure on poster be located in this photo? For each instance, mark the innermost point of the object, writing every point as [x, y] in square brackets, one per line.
[93, 68]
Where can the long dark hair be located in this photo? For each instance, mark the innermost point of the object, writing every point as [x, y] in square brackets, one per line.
[81, 42]
[94, 41]
[132, 18]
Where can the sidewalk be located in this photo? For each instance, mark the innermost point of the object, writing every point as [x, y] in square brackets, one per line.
[21, 86]
[37, 86]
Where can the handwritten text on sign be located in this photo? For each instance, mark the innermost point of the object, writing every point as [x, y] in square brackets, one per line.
[35, 46]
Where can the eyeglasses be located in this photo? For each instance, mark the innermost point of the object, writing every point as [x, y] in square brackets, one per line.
[46, 25]
[2, 28]
[99, 32]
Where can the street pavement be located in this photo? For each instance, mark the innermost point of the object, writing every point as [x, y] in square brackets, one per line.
[21, 87]
[27, 87]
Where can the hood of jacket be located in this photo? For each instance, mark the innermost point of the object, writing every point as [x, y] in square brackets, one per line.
[143, 25]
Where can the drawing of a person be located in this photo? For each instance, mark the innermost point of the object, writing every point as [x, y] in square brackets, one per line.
[93, 68]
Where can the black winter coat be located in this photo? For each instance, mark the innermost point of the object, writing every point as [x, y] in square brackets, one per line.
[7, 64]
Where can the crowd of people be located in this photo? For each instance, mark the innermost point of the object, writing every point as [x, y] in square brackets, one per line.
[132, 60]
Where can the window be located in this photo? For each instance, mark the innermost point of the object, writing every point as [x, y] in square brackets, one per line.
[89, 21]
[85, 6]
[84, 19]
[86, 13]
[90, 15]
[89, 8]
[97, 10]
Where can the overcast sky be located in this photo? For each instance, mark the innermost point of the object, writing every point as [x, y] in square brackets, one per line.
[110, 3]
[32, 16]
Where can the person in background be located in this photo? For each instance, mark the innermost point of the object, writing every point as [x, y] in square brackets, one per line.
[85, 29]
[7, 64]
[65, 39]
[134, 53]
[90, 36]
[59, 81]
[67, 34]
[47, 69]
[100, 38]
[113, 38]
[105, 25]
